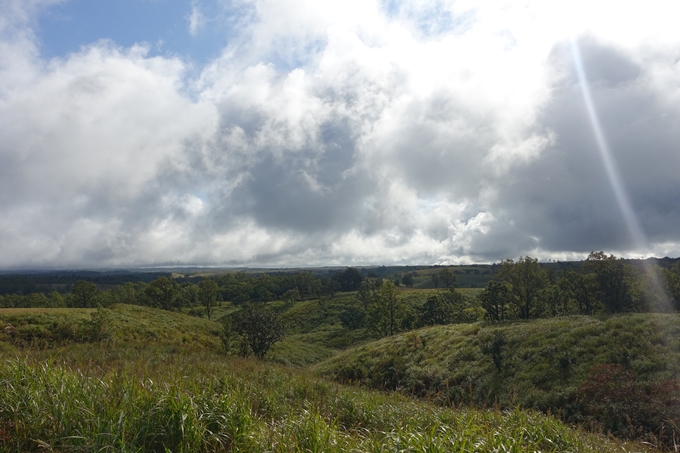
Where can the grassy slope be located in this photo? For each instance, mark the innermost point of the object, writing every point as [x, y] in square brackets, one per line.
[180, 354]
[122, 323]
[86, 400]
[543, 360]
[314, 331]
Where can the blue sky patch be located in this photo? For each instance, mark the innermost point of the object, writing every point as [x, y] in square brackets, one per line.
[162, 24]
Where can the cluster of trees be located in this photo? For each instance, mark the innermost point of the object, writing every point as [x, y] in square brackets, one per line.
[381, 308]
[164, 292]
[602, 284]
[446, 277]
[522, 289]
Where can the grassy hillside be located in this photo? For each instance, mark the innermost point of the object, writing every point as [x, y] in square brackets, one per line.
[132, 378]
[314, 330]
[546, 364]
[156, 400]
[50, 327]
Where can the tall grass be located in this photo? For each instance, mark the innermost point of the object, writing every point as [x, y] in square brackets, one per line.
[162, 401]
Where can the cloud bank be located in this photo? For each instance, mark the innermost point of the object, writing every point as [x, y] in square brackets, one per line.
[342, 133]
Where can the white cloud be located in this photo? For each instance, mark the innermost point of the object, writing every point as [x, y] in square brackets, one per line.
[196, 18]
[333, 133]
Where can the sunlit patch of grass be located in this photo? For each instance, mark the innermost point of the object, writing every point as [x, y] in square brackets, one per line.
[292, 351]
[123, 323]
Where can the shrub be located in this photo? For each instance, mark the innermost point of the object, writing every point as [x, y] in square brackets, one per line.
[614, 398]
[495, 348]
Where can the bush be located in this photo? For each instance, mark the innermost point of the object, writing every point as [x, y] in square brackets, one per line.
[615, 399]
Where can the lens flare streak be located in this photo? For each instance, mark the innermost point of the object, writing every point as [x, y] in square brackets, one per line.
[613, 174]
[640, 240]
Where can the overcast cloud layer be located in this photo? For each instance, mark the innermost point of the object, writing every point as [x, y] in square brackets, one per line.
[351, 132]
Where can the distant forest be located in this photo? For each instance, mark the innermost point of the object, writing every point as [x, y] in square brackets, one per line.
[520, 289]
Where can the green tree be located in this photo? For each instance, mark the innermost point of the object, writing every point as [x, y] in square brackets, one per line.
[672, 280]
[85, 294]
[125, 293]
[350, 279]
[367, 290]
[56, 300]
[307, 284]
[439, 308]
[408, 279]
[162, 292]
[448, 278]
[582, 289]
[187, 294]
[526, 280]
[494, 299]
[329, 287]
[207, 294]
[556, 300]
[259, 328]
[292, 295]
[353, 317]
[614, 279]
[386, 310]
[435, 280]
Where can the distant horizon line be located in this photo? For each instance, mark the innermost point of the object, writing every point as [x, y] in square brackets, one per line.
[170, 268]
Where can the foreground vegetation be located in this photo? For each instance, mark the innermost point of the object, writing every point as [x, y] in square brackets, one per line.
[103, 398]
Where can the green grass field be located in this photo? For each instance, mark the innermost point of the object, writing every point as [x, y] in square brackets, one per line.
[138, 379]
[161, 400]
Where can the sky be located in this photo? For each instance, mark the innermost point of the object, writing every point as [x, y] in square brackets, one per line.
[276, 133]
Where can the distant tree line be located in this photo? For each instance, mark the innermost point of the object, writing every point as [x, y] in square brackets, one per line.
[522, 289]
[167, 293]
[62, 282]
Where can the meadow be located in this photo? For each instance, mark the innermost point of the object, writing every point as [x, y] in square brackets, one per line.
[137, 379]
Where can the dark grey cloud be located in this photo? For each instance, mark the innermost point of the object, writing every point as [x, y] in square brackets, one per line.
[564, 199]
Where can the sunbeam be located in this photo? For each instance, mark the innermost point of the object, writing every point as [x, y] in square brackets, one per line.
[613, 174]
[640, 241]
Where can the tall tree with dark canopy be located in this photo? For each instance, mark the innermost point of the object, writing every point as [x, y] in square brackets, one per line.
[526, 279]
[439, 308]
[494, 300]
[614, 279]
[386, 311]
[435, 280]
[163, 292]
[349, 279]
[448, 278]
[85, 294]
[583, 288]
[408, 279]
